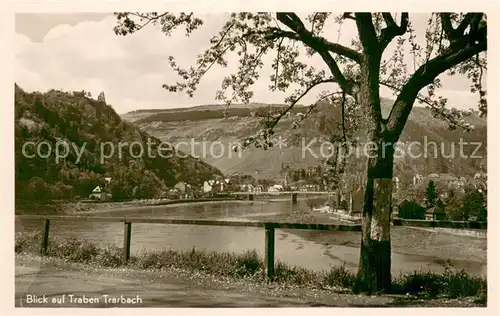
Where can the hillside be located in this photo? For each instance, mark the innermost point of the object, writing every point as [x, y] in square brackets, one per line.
[90, 128]
[208, 123]
[200, 112]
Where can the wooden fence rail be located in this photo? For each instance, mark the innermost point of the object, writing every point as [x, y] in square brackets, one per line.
[269, 227]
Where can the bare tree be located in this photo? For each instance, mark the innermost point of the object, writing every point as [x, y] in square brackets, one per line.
[455, 43]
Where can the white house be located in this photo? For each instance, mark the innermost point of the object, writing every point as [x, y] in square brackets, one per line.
[417, 179]
[308, 188]
[215, 185]
[272, 189]
[278, 187]
[208, 186]
[258, 188]
[247, 187]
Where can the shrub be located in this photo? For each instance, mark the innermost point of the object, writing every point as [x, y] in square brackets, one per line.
[26, 241]
[340, 277]
[411, 210]
[111, 256]
[419, 283]
[74, 249]
[218, 263]
[452, 284]
[460, 284]
[295, 275]
[248, 264]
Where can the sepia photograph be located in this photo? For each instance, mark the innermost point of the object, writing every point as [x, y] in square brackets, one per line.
[250, 159]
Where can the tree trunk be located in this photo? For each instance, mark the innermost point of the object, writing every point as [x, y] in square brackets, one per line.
[374, 274]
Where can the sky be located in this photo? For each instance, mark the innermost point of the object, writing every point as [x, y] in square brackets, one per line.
[78, 51]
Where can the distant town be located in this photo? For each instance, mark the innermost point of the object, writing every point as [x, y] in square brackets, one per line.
[340, 202]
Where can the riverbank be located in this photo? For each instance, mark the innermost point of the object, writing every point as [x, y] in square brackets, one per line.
[476, 233]
[248, 267]
[181, 288]
[438, 248]
[72, 208]
[88, 208]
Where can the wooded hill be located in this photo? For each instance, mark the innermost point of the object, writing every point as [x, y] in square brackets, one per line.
[86, 124]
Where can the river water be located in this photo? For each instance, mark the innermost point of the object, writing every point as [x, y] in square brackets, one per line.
[412, 249]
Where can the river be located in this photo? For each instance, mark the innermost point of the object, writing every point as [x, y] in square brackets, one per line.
[412, 249]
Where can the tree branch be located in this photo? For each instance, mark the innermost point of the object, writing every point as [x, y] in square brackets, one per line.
[341, 50]
[313, 21]
[367, 33]
[148, 19]
[392, 30]
[465, 23]
[313, 106]
[300, 33]
[168, 21]
[277, 63]
[446, 25]
[419, 98]
[294, 102]
[344, 84]
[453, 34]
[455, 54]
[320, 45]
[348, 16]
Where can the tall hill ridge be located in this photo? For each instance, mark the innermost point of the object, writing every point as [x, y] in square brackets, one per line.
[435, 149]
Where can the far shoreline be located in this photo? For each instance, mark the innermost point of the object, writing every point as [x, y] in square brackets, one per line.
[102, 207]
[124, 207]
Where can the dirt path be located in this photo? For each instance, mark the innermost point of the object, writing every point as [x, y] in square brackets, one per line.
[53, 279]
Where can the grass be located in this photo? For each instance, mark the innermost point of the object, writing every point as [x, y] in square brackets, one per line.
[450, 284]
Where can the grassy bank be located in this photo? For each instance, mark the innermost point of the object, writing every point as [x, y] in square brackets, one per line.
[248, 265]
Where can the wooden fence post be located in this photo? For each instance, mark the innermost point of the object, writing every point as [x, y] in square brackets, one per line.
[45, 238]
[269, 259]
[127, 235]
[294, 198]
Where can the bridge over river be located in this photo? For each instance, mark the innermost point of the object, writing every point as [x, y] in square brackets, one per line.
[293, 194]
